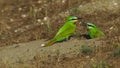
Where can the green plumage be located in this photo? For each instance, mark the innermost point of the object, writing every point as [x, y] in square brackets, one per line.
[93, 31]
[65, 31]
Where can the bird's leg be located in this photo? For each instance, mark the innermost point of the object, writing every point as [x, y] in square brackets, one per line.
[68, 38]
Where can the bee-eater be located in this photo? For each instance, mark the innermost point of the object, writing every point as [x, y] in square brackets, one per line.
[65, 31]
[93, 31]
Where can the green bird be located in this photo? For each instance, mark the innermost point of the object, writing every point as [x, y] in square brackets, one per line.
[65, 31]
[93, 31]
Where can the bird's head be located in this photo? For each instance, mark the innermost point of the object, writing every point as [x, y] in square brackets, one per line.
[90, 25]
[73, 19]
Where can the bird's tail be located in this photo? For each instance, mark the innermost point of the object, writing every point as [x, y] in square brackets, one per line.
[50, 43]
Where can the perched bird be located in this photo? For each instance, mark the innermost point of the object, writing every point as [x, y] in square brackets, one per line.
[93, 31]
[65, 31]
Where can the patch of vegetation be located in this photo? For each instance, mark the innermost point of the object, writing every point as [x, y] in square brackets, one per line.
[85, 49]
[100, 63]
[116, 52]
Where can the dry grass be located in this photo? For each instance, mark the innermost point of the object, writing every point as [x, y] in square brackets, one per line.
[32, 19]
[23, 21]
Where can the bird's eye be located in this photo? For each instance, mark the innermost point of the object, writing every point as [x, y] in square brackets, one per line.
[73, 19]
[91, 25]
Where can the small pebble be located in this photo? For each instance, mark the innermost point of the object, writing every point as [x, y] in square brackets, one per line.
[23, 16]
[42, 45]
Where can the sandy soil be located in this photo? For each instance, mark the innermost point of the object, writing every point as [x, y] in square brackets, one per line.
[60, 51]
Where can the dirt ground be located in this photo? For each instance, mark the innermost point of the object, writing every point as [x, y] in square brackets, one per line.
[25, 25]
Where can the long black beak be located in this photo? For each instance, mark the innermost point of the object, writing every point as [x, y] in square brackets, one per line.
[79, 18]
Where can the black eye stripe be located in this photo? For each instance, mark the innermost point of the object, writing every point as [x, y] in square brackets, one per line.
[72, 19]
[90, 25]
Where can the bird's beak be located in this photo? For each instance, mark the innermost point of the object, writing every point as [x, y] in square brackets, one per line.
[79, 18]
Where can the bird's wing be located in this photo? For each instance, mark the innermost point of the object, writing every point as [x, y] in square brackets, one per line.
[65, 31]
[95, 33]
[63, 28]
[99, 33]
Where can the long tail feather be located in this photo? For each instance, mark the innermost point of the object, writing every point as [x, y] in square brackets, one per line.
[50, 43]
